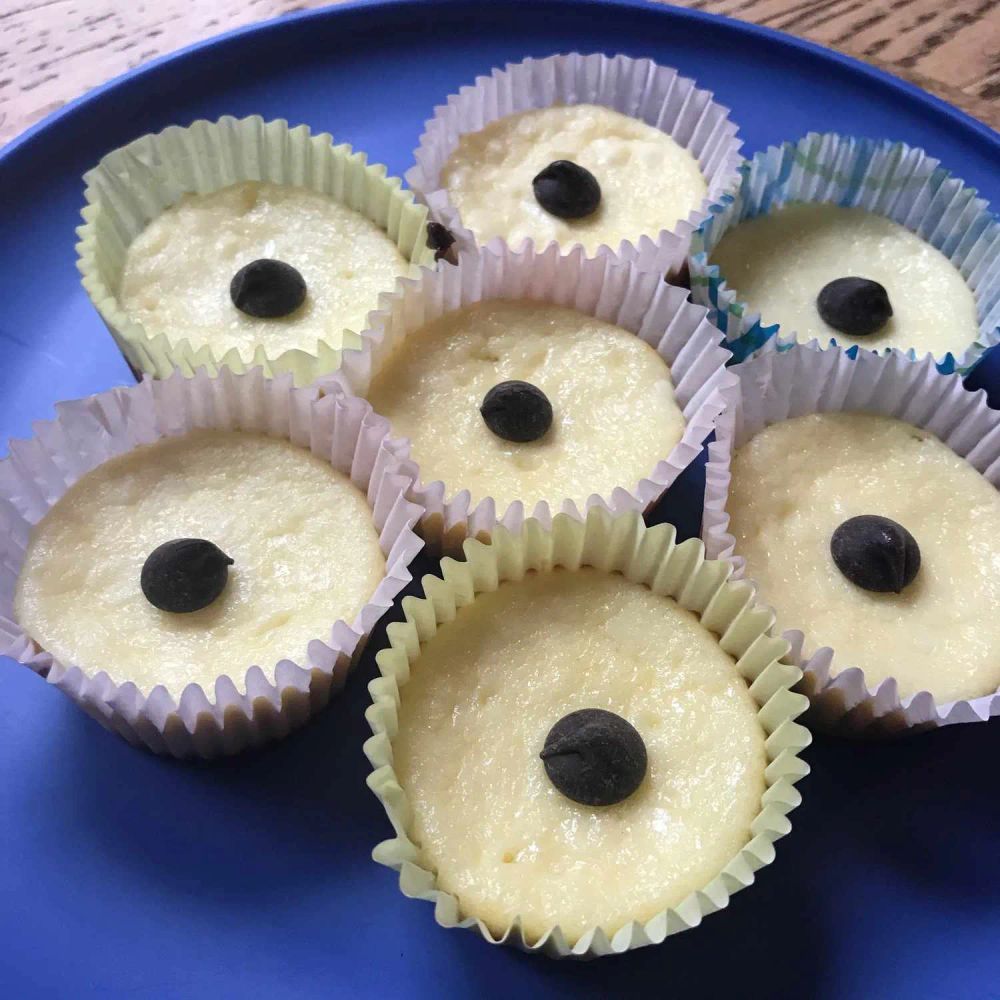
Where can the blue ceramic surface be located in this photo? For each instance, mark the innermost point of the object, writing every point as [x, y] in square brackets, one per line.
[122, 875]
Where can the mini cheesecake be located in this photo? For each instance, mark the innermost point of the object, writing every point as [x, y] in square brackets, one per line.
[525, 400]
[874, 538]
[824, 272]
[240, 243]
[573, 174]
[576, 751]
[197, 557]
[257, 265]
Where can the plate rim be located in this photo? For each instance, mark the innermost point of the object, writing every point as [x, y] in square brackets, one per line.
[21, 145]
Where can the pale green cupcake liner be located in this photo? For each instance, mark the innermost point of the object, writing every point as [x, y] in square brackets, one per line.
[650, 556]
[132, 185]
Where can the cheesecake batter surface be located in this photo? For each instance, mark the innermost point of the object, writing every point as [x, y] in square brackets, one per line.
[475, 712]
[615, 415]
[305, 548]
[796, 481]
[178, 269]
[648, 181]
[779, 262]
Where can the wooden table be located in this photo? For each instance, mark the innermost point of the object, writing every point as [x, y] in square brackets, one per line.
[54, 50]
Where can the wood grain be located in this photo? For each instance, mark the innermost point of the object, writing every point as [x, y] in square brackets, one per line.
[54, 50]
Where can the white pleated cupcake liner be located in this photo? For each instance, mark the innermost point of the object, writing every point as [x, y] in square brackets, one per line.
[807, 379]
[640, 88]
[88, 432]
[134, 184]
[615, 292]
[650, 556]
[892, 179]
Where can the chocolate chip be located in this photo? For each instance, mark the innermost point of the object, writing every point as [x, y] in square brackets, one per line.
[517, 411]
[567, 190]
[267, 289]
[594, 757]
[856, 306]
[875, 553]
[442, 241]
[184, 575]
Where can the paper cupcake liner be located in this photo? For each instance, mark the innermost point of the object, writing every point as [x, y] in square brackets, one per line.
[134, 184]
[808, 379]
[892, 179]
[88, 432]
[612, 291]
[636, 87]
[649, 556]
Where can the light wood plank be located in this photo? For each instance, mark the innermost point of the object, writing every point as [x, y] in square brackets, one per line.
[53, 50]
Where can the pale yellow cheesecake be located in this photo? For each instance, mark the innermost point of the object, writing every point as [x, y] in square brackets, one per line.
[796, 482]
[305, 554]
[780, 262]
[613, 412]
[648, 181]
[497, 824]
[179, 270]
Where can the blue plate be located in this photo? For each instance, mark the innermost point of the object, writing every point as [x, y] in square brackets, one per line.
[122, 875]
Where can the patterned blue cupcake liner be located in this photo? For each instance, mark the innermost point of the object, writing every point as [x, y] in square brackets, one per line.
[892, 179]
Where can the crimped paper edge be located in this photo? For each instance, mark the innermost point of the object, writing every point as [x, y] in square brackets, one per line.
[615, 291]
[647, 555]
[271, 151]
[620, 82]
[747, 332]
[87, 432]
[891, 384]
